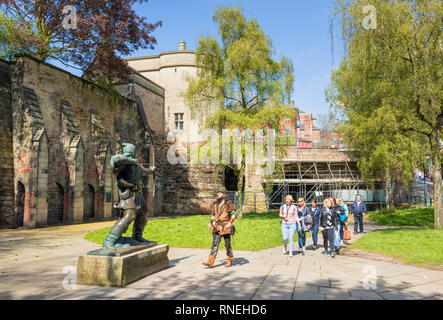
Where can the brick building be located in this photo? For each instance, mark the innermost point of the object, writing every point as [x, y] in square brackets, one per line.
[307, 132]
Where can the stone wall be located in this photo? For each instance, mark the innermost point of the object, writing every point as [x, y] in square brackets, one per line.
[7, 210]
[65, 130]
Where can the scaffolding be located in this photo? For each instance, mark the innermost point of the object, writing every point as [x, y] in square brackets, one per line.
[320, 179]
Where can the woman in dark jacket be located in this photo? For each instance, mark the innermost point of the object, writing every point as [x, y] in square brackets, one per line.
[315, 212]
[303, 211]
[328, 222]
[339, 210]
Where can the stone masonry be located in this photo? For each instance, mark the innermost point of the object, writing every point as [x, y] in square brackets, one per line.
[58, 134]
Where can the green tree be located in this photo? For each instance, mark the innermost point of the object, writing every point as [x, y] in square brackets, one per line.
[240, 79]
[394, 69]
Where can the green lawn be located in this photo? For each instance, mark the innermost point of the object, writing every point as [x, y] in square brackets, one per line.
[256, 231]
[404, 216]
[423, 246]
[417, 246]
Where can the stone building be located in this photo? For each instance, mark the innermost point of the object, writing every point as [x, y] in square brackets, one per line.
[170, 70]
[58, 132]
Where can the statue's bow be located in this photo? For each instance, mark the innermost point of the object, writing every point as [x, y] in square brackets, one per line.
[153, 164]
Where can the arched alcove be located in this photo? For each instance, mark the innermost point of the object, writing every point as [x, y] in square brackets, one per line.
[56, 195]
[89, 210]
[20, 203]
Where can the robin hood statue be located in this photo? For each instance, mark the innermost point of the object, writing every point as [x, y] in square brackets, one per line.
[131, 204]
[222, 219]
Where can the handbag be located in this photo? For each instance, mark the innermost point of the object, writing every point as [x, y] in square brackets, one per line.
[346, 234]
[222, 229]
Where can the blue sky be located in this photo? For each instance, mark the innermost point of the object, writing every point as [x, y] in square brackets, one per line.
[299, 29]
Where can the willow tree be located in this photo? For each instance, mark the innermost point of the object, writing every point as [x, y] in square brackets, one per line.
[393, 65]
[239, 77]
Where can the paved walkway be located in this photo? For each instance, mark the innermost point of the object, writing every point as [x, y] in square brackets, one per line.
[39, 263]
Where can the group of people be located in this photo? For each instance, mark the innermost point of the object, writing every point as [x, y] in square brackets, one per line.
[331, 220]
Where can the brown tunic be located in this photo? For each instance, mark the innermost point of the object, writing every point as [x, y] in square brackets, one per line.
[223, 218]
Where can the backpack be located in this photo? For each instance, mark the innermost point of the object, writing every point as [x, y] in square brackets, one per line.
[307, 223]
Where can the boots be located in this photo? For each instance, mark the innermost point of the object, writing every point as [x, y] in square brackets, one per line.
[139, 225]
[112, 238]
[210, 262]
[118, 229]
[229, 262]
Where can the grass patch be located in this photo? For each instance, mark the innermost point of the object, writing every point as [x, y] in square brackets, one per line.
[416, 246]
[256, 231]
[404, 216]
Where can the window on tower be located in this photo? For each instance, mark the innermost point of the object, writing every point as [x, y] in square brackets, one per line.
[179, 122]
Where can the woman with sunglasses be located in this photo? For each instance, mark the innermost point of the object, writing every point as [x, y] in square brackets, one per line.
[289, 224]
[302, 211]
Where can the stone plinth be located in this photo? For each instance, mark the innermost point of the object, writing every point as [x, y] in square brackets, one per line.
[119, 271]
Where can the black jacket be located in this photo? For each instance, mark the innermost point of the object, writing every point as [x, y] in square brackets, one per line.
[324, 217]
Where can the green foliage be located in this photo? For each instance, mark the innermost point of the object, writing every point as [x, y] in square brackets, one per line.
[388, 90]
[256, 231]
[404, 216]
[418, 246]
[238, 83]
[11, 31]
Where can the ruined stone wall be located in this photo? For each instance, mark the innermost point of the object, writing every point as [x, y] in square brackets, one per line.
[189, 189]
[65, 130]
[7, 210]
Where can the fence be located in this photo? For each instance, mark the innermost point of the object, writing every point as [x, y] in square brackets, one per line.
[233, 196]
[419, 201]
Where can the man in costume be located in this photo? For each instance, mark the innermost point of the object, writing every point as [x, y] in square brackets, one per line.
[222, 219]
[132, 205]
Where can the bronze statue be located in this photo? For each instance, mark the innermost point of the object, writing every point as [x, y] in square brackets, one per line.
[132, 206]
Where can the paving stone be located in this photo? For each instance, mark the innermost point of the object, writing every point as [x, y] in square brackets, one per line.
[308, 296]
[400, 295]
[274, 293]
[334, 291]
[132, 294]
[365, 294]
[306, 289]
[340, 297]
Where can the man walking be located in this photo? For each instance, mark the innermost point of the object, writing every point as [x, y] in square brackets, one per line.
[358, 210]
[222, 219]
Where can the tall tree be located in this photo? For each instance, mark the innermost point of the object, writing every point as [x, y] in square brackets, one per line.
[241, 79]
[394, 66]
[91, 35]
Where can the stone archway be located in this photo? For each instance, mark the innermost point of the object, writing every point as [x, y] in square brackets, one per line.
[89, 210]
[20, 204]
[56, 196]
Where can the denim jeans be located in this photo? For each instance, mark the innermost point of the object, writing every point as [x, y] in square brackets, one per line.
[342, 230]
[288, 232]
[337, 237]
[301, 237]
[358, 222]
[314, 234]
